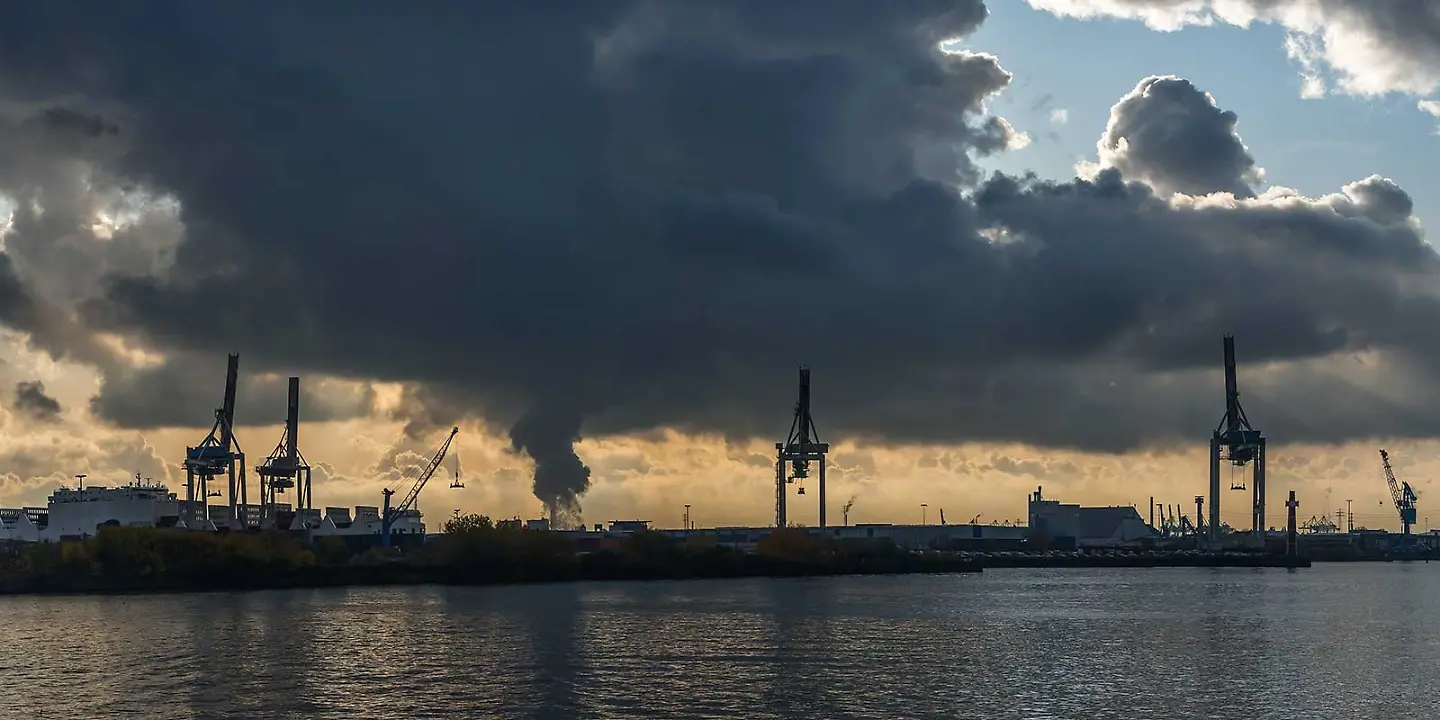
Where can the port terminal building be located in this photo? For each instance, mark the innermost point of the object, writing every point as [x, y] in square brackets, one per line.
[1064, 526]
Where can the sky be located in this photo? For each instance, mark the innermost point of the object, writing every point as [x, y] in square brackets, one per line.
[1314, 145]
[1006, 237]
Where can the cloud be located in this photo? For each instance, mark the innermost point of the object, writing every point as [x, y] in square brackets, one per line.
[1365, 48]
[185, 388]
[606, 218]
[1431, 107]
[1037, 468]
[38, 461]
[1059, 116]
[1169, 134]
[31, 400]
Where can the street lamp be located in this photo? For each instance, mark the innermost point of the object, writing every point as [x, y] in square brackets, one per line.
[922, 512]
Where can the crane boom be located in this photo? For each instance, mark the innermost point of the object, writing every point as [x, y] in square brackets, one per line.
[1400, 493]
[1233, 413]
[414, 494]
[387, 518]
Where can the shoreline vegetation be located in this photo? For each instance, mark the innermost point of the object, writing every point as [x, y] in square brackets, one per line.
[472, 551]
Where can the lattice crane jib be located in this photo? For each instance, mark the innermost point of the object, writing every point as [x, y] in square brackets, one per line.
[390, 514]
[1401, 494]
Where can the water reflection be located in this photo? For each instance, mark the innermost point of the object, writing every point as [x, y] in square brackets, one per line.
[800, 611]
[549, 621]
[1336, 641]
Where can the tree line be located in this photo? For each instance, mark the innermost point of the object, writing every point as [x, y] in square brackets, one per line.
[471, 550]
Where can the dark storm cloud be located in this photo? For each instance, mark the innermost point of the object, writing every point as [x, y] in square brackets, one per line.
[15, 302]
[67, 120]
[31, 401]
[186, 389]
[1170, 134]
[613, 216]
[50, 328]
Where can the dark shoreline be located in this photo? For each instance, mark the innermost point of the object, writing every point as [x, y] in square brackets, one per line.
[405, 574]
[400, 573]
[1144, 560]
[1376, 559]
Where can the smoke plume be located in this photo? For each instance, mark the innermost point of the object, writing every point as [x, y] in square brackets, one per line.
[548, 436]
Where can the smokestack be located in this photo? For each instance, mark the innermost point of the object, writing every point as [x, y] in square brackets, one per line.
[232, 375]
[1152, 511]
[292, 421]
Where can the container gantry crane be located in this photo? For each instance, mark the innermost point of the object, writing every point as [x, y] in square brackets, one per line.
[218, 454]
[389, 514]
[800, 448]
[1236, 441]
[1401, 494]
[285, 468]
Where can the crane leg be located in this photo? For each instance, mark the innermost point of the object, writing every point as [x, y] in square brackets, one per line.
[1259, 483]
[780, 493]
[822, 491]
[1214, 529]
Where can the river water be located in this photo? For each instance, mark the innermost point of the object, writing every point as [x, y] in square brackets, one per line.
[1334, 641]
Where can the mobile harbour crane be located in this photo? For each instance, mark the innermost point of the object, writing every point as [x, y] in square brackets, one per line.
[389, 514]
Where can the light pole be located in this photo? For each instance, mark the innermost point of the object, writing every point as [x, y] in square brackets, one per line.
[922, 512]
[687, 518]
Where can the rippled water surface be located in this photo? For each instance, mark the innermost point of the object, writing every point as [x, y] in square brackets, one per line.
[1336, 641]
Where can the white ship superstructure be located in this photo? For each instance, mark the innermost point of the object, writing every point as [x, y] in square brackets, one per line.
[81, 512]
